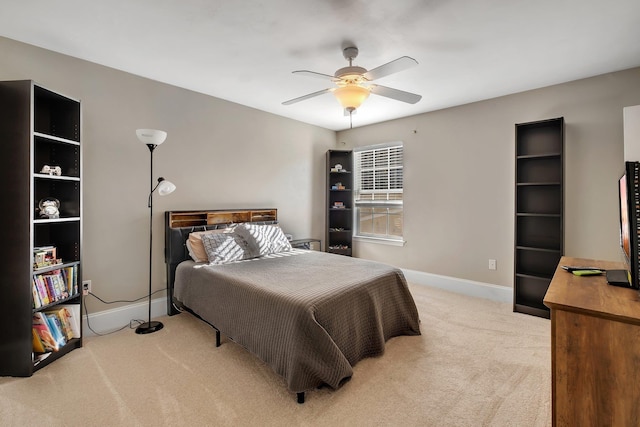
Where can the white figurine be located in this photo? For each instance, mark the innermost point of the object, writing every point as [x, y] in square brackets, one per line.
[49, 208]
[51, 170]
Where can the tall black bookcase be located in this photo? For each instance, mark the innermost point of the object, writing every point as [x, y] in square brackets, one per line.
[38, 127]
[339, 234]
[539, 212]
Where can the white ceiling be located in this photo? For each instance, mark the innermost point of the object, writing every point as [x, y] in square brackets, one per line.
[244, 50]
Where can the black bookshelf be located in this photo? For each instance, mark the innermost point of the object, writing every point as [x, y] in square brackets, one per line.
[339, 233]
[539, 212]
[38, 127]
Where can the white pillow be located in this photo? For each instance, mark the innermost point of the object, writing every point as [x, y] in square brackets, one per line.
[195, 246]
[263, 239]
[223, 248]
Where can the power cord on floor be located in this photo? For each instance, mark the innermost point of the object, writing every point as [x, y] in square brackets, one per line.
[178, 309]
[134, 323]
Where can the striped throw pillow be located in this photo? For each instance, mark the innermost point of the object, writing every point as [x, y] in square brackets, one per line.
[263, 239]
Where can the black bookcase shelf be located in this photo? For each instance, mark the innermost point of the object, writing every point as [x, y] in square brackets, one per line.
[539, 212]
[68, 300]
[38, 127]
[339, 242]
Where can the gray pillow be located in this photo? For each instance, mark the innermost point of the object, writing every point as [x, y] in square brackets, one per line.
[223, 248]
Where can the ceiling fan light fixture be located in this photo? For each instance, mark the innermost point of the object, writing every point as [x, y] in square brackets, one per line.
[353, 83]
[351, 96]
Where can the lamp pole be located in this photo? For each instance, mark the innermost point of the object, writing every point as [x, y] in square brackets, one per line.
[152, 138]
[149, 327]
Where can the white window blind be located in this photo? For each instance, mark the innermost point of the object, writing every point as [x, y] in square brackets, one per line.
[378, 191]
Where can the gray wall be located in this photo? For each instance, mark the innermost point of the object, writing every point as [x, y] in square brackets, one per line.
[459, 176]
[632, 133]
[219, 154]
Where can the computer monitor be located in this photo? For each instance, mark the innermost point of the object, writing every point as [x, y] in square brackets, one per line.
[629, 209]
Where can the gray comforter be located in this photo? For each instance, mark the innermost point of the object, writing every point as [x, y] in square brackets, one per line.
[309, 315]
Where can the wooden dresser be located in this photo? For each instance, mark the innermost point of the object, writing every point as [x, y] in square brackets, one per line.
[595, 347]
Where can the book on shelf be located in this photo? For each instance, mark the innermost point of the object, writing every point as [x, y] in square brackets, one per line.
[74, 318]
[41, 327]
[43, 248]
[71, 279]
[62, 316]
[39, 357]
[37, 302]
[59, 287]
[55, 285]
[53, 328]
[41, 290]
[53, 281]
[38, 347]
[44, 257]
[56, 328]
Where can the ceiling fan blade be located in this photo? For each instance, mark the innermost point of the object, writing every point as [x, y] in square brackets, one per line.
[399, 64]
[316, 75]
[310, 95]
[398, 95]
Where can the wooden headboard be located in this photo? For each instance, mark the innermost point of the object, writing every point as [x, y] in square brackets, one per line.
[178, 225]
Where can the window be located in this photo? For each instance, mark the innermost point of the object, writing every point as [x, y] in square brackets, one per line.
[378, 191]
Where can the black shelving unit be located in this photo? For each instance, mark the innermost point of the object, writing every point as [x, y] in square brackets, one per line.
[38, 127]
[539, 212]
[339, 235]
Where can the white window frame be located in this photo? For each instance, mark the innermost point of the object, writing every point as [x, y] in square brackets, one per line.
[389, 195]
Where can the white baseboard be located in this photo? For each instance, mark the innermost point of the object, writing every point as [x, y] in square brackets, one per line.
[461, 286]
[111, 320]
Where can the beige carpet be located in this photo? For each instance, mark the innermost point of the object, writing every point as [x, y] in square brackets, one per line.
[476, 364]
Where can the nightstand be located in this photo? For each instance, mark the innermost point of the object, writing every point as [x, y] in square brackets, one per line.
[305, 243]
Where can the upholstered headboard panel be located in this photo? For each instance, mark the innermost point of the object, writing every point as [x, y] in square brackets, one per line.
[178, 225]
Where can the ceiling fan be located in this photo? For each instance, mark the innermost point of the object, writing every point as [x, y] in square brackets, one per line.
[353, 83]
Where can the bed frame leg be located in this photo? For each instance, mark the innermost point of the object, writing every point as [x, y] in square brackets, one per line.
[301, 397]
[217, 338]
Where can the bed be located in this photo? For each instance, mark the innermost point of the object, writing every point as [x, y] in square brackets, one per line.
[311, 316]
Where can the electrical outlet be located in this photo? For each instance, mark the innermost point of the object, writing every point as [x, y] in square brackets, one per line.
[86, 287]
[492, 264]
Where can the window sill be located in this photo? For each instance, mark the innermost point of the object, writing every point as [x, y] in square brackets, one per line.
[379, 240]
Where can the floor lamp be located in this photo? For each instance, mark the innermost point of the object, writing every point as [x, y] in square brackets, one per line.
[152, 138]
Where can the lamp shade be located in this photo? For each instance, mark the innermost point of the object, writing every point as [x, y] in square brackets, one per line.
[351, 96]
[166, 187]
[151, 136]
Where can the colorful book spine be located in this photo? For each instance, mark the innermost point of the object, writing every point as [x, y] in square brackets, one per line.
[56, 329]
[51, 291]
[70, 279]
[41, 326]
[76, 288]
[54, 286]
[37, 302]
[38, 347]
[60, 285]
[62, 318]
[42, 290]
[74, 319]
[66, 277]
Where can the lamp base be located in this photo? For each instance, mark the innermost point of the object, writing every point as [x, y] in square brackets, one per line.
[149, 327]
